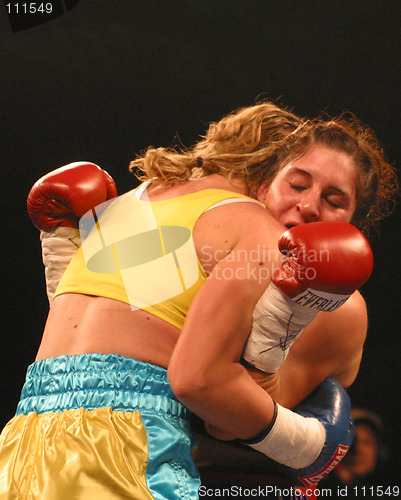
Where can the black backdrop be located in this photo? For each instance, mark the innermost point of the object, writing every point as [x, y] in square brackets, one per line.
[107, 79]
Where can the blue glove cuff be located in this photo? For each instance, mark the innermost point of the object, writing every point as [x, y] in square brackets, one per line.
[331, 405]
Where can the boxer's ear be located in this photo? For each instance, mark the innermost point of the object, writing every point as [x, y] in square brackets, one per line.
[261, 193]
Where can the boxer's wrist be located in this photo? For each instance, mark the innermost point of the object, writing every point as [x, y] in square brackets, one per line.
[277, 322]
[331, 405]
[292, 440]
[58, 248]
[261, 435]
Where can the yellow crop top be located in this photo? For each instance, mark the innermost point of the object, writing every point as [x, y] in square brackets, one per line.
[142, 253]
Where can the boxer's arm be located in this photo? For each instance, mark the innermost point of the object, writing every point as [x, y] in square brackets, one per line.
[205, 373]
[331, 346]
[204, 370]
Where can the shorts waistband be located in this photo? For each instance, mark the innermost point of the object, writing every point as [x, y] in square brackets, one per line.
[93, 381]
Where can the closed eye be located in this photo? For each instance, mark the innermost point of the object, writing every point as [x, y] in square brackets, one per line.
[297, 187]
[334, 205]
[335, 200]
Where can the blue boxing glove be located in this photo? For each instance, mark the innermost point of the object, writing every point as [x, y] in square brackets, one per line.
[331, 405]
[308, 442]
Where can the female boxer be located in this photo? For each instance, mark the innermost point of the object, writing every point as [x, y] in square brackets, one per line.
[97, 415]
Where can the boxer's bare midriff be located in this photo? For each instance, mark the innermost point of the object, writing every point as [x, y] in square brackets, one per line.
[79, 324]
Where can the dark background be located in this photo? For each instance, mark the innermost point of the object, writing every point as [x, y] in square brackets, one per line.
[108, 78]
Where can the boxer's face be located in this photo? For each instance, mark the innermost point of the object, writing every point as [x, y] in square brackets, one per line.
[319, 186]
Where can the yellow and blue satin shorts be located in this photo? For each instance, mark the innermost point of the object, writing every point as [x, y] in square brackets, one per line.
[97, 427]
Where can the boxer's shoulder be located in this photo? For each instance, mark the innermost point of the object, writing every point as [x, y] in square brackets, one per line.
[332, 344]
[346, 324]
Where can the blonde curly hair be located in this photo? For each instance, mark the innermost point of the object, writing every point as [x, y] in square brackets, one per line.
[253, 143]
[242, 145]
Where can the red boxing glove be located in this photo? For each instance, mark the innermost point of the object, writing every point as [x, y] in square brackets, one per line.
[332, 257]
[327, 262]
[56, 202]
[64, 195]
